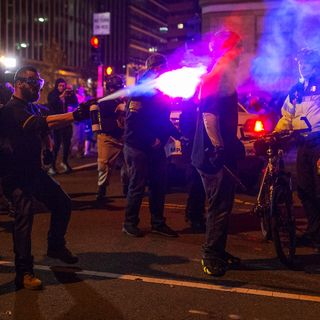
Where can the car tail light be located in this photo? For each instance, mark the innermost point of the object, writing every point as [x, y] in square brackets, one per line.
[254, 126]
[258, 126]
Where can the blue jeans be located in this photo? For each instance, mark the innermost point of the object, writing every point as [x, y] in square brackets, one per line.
[145, 167]
[220, 191]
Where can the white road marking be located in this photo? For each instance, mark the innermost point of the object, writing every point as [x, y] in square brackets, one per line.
[198, 312]
[85, 166]
[187, 284]
[183, 206]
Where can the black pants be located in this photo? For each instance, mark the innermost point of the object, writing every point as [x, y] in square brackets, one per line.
[308, 178]
[21, 191]
[220, 191]
[63, 136]
[145, 167]
[195, 209]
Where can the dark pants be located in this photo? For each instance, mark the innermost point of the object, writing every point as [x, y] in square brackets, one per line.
[21, 191]
[195, 208]
[145, 167]
[63, 136]
[220, 191]
[308, 180]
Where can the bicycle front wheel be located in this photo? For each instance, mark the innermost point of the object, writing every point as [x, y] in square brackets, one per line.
[283, 225]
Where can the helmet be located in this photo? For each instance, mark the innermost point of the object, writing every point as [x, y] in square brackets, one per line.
[114, 82]
[156, 60]
[309, 56]
[223, 41]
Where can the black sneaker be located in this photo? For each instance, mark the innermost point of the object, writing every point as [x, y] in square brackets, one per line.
[215, 267]
[63, 254]
[132, 231]
[164, 230]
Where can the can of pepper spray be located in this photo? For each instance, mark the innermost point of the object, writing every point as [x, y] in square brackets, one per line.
[95, 118]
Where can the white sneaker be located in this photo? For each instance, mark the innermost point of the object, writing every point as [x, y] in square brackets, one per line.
[65, 167]
[52, 172]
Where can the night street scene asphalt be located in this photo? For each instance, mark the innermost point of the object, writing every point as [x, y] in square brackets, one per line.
[110, 111]
[154, 277]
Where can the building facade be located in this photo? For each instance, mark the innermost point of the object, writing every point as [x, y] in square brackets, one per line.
[30, 28]
[184, 24]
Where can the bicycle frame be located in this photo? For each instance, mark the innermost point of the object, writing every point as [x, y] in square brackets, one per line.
[273, 169]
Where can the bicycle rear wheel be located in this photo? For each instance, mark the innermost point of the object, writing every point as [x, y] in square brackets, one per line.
[283, 225]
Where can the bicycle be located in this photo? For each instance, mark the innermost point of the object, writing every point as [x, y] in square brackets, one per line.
[274, 204]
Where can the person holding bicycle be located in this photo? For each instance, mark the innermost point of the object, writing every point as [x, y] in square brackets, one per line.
[303, 100]
[216, 147]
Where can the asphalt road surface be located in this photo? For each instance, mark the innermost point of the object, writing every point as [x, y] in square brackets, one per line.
[120, 277]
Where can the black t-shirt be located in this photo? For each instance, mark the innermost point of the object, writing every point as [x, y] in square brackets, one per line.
[226, 107]
[110, 117]
[22, 128]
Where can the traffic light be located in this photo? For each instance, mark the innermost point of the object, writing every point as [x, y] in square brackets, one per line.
[108, 71]
[94, 41]
[95, 50]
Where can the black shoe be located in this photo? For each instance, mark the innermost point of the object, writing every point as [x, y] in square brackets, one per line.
[215, 267]
[63, 254]
[164, 230]
[132, 231]
[28, 281]
[233, 262]
[101, 193]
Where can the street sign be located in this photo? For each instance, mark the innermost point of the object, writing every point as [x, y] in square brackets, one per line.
[101, 23]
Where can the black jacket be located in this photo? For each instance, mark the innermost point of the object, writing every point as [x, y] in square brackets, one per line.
[148, 119]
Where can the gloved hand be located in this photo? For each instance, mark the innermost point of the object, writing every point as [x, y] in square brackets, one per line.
[83, 110]
[216, 158]
[47, 157]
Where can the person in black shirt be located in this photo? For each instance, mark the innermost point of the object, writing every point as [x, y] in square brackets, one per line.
[110, 139]
[61, 100]
[147, 129]
[215, 145]
[24, 130]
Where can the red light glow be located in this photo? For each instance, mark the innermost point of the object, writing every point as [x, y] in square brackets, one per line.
[94, 41]
[258, 126]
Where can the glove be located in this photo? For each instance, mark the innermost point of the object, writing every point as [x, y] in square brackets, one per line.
[47, 157]
[83, 110]
[216, 158]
